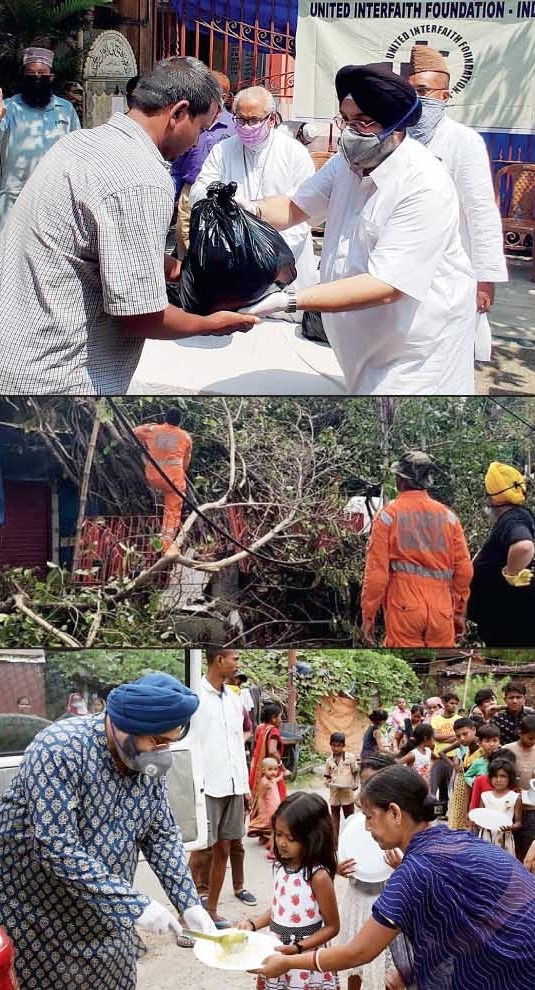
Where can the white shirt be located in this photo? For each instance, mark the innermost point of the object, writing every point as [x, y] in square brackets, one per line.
[463, 153]
[218, 725]
[401, 225]
[277, 168]
[82, 246]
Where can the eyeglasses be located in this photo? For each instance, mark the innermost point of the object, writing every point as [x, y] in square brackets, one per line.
[357, 126]
[250, 121]
[425, 90]
[163, 741]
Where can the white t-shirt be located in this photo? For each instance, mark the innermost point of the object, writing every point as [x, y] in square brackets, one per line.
[401, 225]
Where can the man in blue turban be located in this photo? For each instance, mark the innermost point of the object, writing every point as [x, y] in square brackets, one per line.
[89, 796]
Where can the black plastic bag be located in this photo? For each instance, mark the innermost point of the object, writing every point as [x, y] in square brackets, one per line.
[233, 260]
[312, 326]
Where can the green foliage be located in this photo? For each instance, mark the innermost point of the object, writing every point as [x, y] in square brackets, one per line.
[369, 676]
[310, 593]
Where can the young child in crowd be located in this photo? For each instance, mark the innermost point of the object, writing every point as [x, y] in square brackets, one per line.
[304, 913]
[374, 740]
[466, 753]
[421, 757]
[340, 775]
[356, 906]
[404, 738]
[482, 783]
[524, 753]
[488, 737]
[267, 804]
[502, 797]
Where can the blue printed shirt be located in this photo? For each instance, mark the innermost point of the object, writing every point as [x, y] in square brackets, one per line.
[467, 907]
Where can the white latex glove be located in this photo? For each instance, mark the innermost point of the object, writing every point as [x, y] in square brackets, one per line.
[275, 303]
[198, 920]
[156, 918]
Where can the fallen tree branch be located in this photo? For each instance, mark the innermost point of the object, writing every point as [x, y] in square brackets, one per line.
[95, 627]
[64, 638]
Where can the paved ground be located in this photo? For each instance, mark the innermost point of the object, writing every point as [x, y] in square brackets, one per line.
[512, 368]
[166, 967]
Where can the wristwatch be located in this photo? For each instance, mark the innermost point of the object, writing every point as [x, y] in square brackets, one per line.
[292, 301]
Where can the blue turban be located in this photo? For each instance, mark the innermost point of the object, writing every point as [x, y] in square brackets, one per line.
[153, 704]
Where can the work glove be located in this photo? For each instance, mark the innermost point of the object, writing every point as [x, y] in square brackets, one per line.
[274, 303]
[520, 580]
[156, 918]
[198, 920]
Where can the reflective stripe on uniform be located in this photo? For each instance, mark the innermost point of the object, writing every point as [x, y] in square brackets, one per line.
[401, 565]
[384, 517]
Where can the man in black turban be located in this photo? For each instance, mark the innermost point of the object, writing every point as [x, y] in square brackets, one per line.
[397, 291]
[380, 94]
[376, 106]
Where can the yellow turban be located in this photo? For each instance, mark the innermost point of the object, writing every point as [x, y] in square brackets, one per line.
[504, 484]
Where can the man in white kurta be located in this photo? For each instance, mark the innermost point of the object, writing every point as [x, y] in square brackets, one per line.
[277, 164]
[463, 153]
[397, 291]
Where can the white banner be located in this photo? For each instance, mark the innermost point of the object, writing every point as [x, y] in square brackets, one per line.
[489, 47]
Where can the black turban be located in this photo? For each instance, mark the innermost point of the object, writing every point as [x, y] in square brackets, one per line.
[380, 93]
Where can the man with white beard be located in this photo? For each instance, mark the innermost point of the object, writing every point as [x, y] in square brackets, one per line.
[263, 162]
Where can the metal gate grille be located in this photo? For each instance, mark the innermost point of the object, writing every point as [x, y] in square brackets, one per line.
[252, 43]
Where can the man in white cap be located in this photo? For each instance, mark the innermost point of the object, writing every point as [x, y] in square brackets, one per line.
[462, 151]
[30, 123]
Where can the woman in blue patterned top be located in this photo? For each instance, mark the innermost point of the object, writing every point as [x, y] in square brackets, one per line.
[467, 907]
[90, 793]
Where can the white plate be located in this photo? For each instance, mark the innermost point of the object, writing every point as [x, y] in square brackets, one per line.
[258, 947]
[489, 818]
[356, 843]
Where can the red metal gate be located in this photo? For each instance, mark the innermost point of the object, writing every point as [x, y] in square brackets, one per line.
[251, 52]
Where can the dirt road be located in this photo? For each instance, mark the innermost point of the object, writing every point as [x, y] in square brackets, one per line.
[166, 967]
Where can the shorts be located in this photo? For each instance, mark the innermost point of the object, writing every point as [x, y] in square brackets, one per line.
[226, 817]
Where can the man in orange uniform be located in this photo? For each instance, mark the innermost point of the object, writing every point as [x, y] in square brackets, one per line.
[170, 446]
[418, 568]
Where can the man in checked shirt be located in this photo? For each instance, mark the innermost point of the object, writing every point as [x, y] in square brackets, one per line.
[82, 253]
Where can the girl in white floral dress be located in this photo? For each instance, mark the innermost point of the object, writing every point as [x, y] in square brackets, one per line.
[303, 913]
[502, 798]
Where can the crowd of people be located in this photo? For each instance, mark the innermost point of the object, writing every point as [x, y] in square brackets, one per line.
[405, 933]
[419, 573]
[411, 252]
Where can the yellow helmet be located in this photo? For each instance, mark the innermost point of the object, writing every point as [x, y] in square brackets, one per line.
[504, 484]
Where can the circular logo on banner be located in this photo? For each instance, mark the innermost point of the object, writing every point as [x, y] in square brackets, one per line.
[446, 40]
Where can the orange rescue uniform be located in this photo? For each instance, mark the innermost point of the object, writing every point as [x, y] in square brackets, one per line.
[418, 570]
[171, 447]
